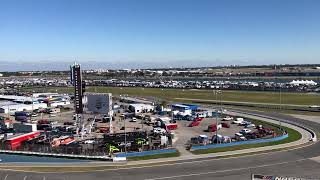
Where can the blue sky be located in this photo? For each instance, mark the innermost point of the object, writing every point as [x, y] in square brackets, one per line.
[159, 33]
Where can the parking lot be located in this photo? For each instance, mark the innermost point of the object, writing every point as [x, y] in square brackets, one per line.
[137, 125]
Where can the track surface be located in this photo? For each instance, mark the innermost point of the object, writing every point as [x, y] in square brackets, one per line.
[299, 163]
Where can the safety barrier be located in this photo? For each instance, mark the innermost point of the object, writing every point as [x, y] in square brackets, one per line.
[145, 153]
[72, 156]
[256, 141]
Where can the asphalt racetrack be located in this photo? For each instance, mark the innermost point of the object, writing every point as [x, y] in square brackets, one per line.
[302, 162]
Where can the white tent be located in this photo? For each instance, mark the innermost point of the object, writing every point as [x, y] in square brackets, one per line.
[303, 82]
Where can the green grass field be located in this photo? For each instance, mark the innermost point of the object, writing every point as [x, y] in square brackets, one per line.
[171, 94]
[156, 156]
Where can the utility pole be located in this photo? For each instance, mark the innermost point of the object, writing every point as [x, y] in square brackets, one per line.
[280, 94]
[221, 109]
[217, 125]
[32, 108]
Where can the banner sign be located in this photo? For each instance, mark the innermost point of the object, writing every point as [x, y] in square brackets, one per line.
[259, 177]
[99, 102]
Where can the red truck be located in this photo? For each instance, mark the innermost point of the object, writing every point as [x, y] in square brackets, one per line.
[225, 125]
[104, 129]
[44, 121]
[13, 142]
[194, 123]
[199, 119]
[171, 126]
[213, 127]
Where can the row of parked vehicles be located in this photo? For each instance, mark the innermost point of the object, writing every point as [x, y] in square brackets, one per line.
[259, 132]
[23, 115]
[242, 135]
[249, 131]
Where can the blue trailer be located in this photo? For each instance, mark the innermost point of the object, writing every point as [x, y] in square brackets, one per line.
[193, 107]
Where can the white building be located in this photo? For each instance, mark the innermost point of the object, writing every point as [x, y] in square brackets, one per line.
[11, 109]
[140, 108]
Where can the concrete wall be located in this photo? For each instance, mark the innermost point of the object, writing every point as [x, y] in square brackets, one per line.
[145, 153]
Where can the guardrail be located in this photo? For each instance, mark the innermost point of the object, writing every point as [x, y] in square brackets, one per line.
[256, 141]
[313, 134]
[107, 158]
[145, 153]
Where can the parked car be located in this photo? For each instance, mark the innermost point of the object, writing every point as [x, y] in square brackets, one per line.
[133, 119]
[203, 139]
[106, 119]
[220, 139]
[68, 123]
[53, 122]
[213, 127]
[267, 131]
[238, 121]
[227, 118]
[250, 126]
[253, 135]
[245, 131]
[34, 115]
[194, 123]
[98, 120]
[159, 130]
[22, 113]
[259, 126]
[105, 129]
[199, 119]
[89, 141]
[44, 121]
[172, 126]
[244, 123]
[240, 137]
[225, 125]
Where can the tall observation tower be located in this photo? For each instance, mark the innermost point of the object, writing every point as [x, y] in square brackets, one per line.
[79, 88]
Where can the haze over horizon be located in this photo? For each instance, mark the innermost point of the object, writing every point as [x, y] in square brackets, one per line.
[50, 35]
[87, 65]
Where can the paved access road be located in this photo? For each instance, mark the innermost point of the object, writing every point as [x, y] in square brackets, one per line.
[303, 162]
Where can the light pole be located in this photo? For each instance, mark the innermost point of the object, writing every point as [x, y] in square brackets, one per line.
[217, 125]
[218, 92]
[280, 94]
[125, 137]
[280, 106]
[217, 111]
